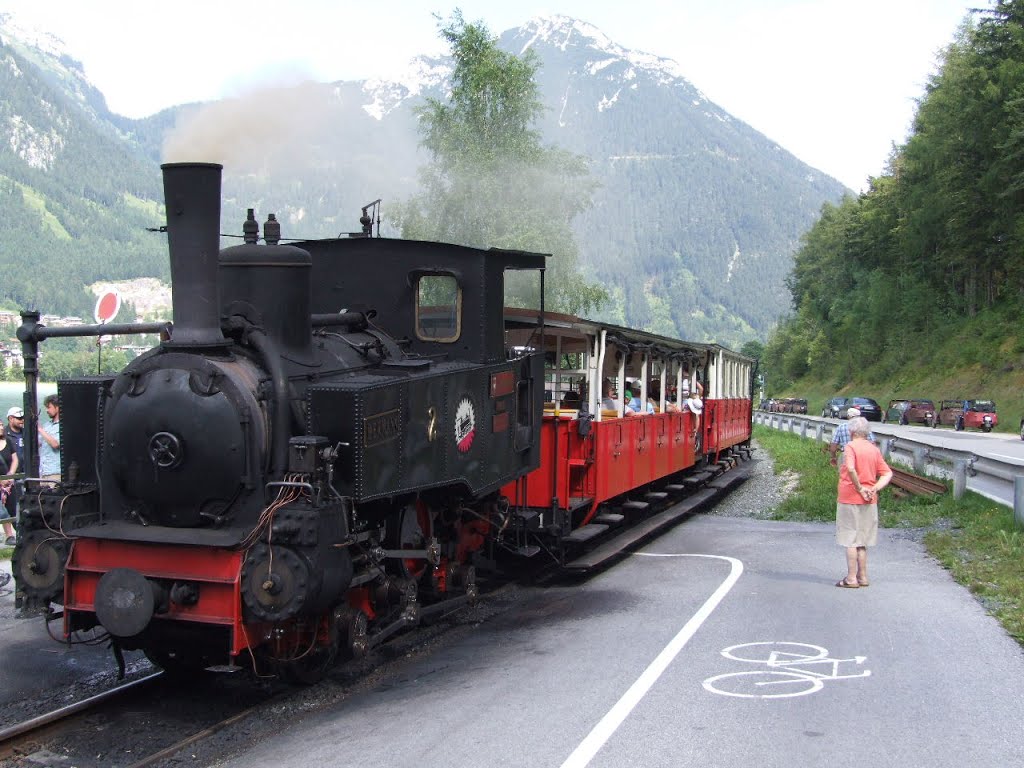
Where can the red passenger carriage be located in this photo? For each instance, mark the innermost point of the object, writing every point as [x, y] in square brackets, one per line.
[600, 465]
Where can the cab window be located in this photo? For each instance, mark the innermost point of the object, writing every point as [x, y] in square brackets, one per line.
[438, 308]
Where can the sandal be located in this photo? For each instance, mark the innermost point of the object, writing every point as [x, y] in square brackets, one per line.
[846, 585]
[863, 583]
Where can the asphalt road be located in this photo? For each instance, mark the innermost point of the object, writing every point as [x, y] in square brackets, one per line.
[637, 666]
[990, 444]
[1006, 449]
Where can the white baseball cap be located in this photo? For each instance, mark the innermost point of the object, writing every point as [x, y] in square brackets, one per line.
[16, 412]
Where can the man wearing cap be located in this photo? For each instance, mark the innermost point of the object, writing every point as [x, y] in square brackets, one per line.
[634, 403]
[8, 466]
[627, 399]
[841, 437]
[16, 431]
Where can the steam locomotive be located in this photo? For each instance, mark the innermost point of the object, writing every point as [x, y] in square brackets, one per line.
[335, 436]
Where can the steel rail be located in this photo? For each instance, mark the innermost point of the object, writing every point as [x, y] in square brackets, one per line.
[188, 741]
[915, 483]
[36, 723]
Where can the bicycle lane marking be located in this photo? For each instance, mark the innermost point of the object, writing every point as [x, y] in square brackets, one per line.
[779, 655]
[599, 735]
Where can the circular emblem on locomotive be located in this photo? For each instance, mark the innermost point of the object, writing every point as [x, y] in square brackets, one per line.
[465, 425]
[165, 450]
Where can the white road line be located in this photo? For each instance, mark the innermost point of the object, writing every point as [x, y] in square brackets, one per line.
[1004, 456]
[603, 731]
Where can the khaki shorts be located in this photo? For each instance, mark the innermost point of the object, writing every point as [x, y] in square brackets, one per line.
[856, 525]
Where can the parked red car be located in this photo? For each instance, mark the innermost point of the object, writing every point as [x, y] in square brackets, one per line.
[910, 412]
[968, 414]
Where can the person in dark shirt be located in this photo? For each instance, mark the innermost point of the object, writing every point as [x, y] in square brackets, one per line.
[8, 466]
[16, 438]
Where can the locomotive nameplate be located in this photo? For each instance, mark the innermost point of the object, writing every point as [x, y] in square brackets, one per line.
[382, 427]
[502, 384]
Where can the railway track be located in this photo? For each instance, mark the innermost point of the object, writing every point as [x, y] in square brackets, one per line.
[915, 484]
[15, 739]
[136, 725]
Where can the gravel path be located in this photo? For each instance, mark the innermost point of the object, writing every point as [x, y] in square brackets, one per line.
[761, 493]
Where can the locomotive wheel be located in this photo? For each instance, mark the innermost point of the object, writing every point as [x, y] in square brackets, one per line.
[304, 651]
[39, 565]
[311, 668]
[413, 529]
[353, 632]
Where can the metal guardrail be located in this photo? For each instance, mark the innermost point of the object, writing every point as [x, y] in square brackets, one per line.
[999, 480]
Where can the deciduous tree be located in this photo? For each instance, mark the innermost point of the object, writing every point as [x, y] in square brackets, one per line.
[490, 182]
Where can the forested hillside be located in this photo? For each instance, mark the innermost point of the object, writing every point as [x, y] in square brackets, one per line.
[697, 214]
[76, 196]
[924, 273]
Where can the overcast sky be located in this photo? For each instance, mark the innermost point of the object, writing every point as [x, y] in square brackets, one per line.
[832, 81]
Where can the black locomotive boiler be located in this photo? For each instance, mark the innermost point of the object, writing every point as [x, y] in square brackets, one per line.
[310, 460]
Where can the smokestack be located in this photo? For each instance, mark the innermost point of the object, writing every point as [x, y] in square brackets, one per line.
[192, 195]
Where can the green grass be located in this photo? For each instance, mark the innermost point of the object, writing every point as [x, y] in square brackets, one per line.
[974, 538]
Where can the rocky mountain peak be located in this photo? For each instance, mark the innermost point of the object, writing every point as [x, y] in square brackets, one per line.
[15, 29]
[566, 33]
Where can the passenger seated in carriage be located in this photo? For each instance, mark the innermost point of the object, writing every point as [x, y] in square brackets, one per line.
[627, 399]
[655, 399]
[633, 400]
[608, 396]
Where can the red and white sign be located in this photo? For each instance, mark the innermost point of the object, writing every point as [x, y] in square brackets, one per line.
[107, 306]
[465, 425]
